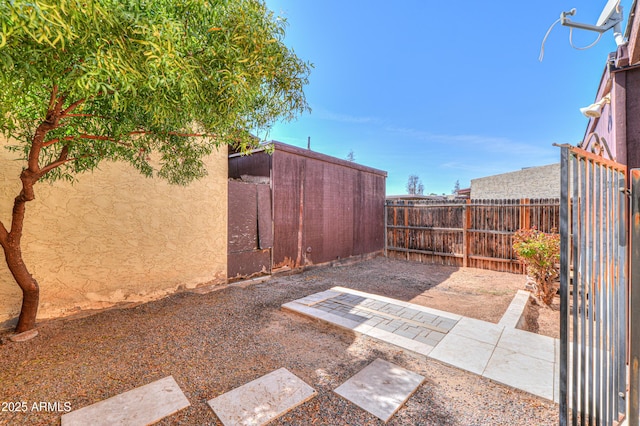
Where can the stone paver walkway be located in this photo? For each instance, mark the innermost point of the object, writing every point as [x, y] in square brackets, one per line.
[500, 352]
[140, 406]
[262, 400]
[380, 388]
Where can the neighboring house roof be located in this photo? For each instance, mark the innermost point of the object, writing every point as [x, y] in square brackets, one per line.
[464, 193]
[530, 182]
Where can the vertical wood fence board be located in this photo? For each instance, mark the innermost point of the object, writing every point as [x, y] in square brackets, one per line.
[475, 233]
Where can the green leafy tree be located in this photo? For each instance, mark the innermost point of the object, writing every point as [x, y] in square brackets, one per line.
[158, 84]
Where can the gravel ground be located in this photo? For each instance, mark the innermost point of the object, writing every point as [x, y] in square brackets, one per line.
[212, 342]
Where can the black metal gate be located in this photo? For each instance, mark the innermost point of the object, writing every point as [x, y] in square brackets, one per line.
[593, 289]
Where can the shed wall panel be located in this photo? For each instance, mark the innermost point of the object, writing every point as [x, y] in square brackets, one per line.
[288, 178]
[337, 190]
[324, 210]
[244, 264]
[314, 214]
[265, 213]
[250, 234]
[359, 219]
[373, 204]
[256, 164]
[243, 218]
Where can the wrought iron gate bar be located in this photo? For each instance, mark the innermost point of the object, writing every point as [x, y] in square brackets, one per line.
[593, 311]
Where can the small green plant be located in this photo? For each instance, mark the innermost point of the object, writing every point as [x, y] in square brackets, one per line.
[540, 252]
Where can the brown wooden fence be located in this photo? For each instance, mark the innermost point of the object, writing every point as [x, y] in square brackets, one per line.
[473, 233]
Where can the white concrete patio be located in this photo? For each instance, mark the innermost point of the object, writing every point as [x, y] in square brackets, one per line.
[499, 352]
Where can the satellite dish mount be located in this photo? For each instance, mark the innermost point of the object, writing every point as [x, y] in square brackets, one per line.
[611, 17]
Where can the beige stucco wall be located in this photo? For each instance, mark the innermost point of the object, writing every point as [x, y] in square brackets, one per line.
[115, 236]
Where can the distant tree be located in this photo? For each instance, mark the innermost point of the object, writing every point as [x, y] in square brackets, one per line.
[157, 83]
[456, 187]
[351, 156]
[414, 185]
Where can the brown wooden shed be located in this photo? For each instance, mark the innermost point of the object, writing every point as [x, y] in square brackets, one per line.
[296, 207]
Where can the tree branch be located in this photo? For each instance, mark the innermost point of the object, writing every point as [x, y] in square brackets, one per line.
[53, 116]
[85, 136]
[50, 122]
[71, 107]
[96, 137]
[82, 115]
[52, 99]
[56, 140]
[104, 138]
[183, 135]
[57, 163]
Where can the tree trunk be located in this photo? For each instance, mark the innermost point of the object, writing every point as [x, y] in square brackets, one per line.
[28, 285]
[11, 244]
[10, 238]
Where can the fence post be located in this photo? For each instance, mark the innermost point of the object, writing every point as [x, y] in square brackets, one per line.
[394, 237]
[406, 230]
[386, 228]
[525, 223]
[525, 217]
[466, 224]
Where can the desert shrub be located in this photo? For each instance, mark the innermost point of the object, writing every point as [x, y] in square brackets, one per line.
[540, 252]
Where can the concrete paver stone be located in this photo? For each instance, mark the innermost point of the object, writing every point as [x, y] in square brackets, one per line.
[380, 388]
[531, 344]
[520, 371]
[140, 406]
[318, 297]
[262, 400]
[514, 314]
[482, 331]
[499, 352]
[463, 352]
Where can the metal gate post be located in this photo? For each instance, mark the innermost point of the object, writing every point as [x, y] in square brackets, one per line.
[564, 282]
[634, 305]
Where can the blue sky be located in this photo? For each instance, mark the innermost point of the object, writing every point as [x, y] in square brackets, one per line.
[445, 92]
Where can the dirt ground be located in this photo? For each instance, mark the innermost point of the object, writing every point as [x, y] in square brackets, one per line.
[484, 295]
[213, 340]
